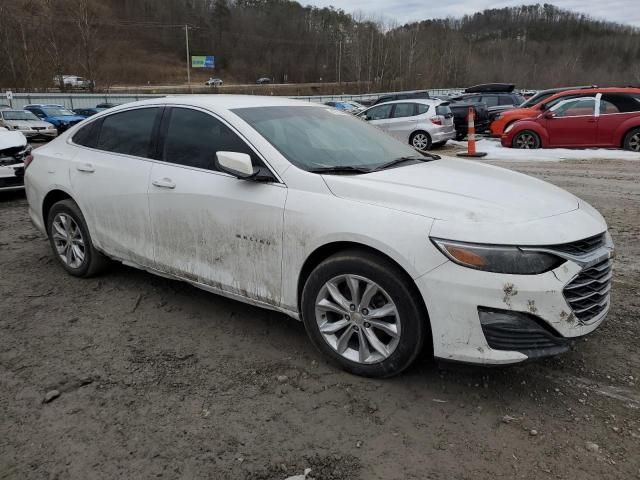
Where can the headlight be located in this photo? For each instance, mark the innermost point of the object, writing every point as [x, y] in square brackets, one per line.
[509, 128]
[498, 258]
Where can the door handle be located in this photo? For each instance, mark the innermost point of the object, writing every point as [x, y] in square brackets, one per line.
[164, 183]
[85, 167]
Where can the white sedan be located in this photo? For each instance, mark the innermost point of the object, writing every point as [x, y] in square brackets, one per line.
[306, 210]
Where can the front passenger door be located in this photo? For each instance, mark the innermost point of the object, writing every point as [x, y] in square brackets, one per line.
[208, 226]
[379, 115]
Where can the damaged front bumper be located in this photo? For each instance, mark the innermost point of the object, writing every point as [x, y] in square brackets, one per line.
[490, 318]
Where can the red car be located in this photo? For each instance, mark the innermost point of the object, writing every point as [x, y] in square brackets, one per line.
[610, 118]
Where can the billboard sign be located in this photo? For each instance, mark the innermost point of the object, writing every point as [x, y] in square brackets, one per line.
[203, 61]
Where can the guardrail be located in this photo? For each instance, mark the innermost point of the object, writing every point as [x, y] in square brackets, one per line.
[88, 100]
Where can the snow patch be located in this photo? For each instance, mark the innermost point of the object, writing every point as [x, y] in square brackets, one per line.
[495, 151]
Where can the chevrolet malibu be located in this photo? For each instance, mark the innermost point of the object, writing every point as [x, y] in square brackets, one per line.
[380, 250]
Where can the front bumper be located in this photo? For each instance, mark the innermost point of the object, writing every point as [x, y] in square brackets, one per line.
[456, 295]
[47, 133]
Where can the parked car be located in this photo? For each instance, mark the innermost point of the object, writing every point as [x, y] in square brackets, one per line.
[58, 115]
[27, 123]
[214, 82]
[391, 97]
[596, 120]
[299, 208]
[13, 151]
[460, 110]
[497, 96]
[73, 81]
[359, 107]
[344, 106]
[263, 81]
[88, 112]
[531, 107]
[423, 124]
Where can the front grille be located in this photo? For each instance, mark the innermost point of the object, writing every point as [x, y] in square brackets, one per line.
[39, 128]
[588, 293]
[580, 247]
[11, 182]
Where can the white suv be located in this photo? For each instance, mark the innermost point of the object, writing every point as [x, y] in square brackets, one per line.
[306, 210]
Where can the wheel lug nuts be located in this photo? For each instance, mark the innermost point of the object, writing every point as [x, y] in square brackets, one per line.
[367, 325]
[347, 317]
[365, 311]
[355, 327]
[352, 307]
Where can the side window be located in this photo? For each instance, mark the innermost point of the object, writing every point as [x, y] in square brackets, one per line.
[379, 113]
[87, 136]
[402, 110]
[606, 107]
[194, 137]
[575, 108]
[507, 100]
[491, 100]
[422, 108]
[619, 103]
[128, 132]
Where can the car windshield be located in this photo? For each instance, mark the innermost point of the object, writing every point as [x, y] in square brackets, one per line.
[537, 98]
[57, 112]
[18, 115]
[315, 137]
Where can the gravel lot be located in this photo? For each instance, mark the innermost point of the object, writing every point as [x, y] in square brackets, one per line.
[159, 379]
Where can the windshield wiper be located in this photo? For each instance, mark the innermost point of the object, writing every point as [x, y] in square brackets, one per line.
[426, 157]
[340, 169]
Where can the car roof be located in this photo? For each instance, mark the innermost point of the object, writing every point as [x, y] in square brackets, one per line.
[426, 101]
[595, 90]
[220, 102]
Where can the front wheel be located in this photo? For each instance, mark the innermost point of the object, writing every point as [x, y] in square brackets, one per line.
[527, 140]
[632, 140]
[359, 310]
[420, 141]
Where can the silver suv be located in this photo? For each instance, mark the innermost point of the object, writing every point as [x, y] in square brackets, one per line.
[421, 123]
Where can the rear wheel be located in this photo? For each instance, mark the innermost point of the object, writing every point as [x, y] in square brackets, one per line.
[420, 140]
[359, 310]
[526, 140]
[632, 140]
[71, 242]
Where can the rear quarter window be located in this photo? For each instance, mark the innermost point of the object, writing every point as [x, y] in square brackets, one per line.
[87, 136]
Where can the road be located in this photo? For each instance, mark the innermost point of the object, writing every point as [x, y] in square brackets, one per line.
[159, 379]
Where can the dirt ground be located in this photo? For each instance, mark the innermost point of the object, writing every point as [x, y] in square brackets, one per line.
[159, 379]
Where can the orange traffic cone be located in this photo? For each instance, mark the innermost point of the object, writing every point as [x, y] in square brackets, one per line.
[471, 140]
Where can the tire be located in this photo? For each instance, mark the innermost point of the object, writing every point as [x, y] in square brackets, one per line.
[404, 328]
[632, 140]
[526, 139]
[65, 219]
[420, 140]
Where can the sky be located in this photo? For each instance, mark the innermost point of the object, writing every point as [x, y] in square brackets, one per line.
[621, 11]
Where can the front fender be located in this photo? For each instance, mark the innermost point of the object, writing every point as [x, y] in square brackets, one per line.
[527, 124]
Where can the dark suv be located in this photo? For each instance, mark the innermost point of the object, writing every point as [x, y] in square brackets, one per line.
[391, 97]
[498, 97]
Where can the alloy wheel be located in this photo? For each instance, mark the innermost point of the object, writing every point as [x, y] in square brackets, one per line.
[358, 319]
[526, 141]
[634, 142]
[68, 240]
[420, 141]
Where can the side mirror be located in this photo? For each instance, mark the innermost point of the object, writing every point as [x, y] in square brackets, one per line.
[237, 164]
[543, 107]
[548, 115]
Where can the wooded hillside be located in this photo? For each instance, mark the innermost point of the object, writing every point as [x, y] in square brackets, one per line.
[140, 41]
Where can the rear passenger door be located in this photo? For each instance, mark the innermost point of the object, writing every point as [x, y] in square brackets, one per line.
[210, 227]
[615, 109]
[403, 121]
[110, 178]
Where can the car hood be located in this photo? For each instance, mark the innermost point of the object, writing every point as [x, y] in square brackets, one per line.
[10, 140]
[527, 112]
[457, 190]
[27, 123]
[67, 118]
